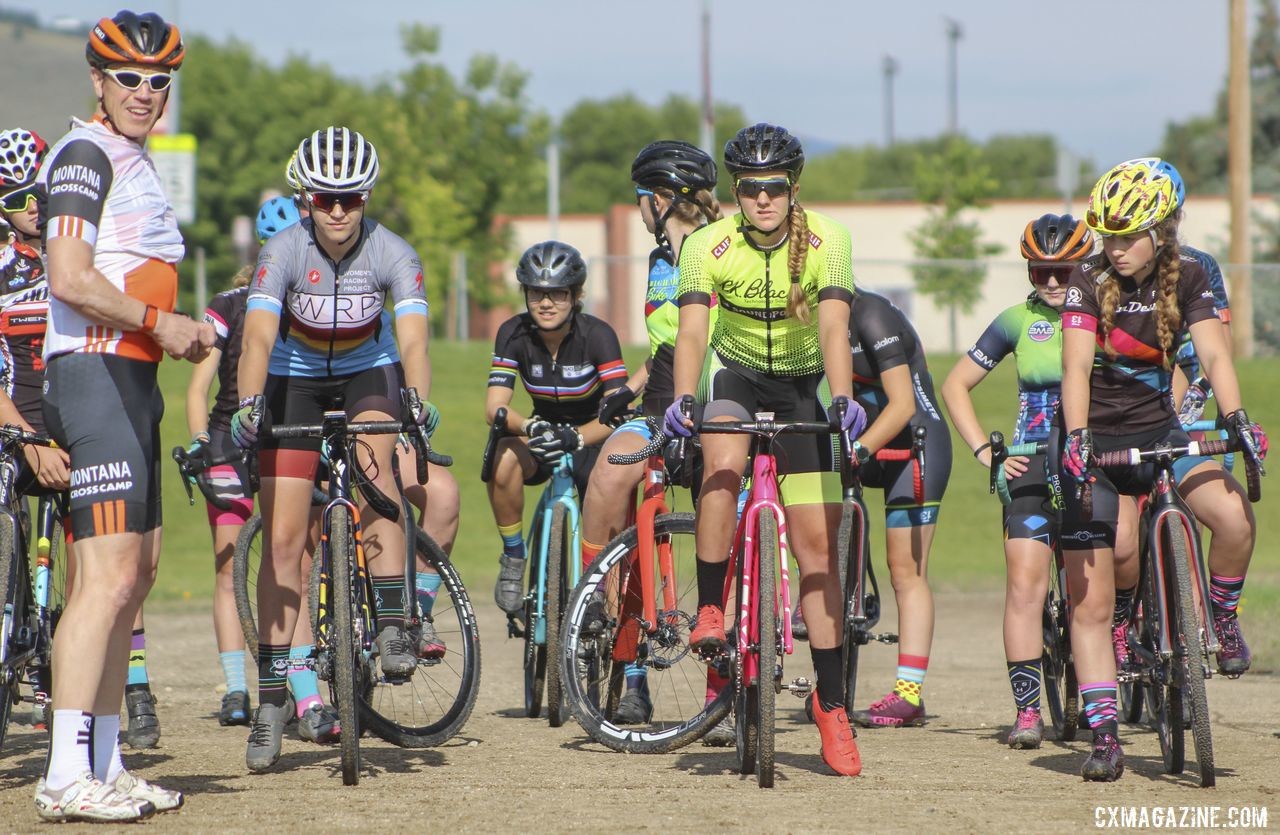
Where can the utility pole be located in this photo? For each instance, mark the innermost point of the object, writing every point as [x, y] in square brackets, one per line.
[954, 33]
[890, 69]
[1239, 177]
[708, 109]
[553, 182]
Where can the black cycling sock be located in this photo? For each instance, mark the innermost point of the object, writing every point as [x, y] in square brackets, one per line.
[1024, 678]
[388, 593]
[711, 582]
[1124, 599]
[828, 668]
[273, 666]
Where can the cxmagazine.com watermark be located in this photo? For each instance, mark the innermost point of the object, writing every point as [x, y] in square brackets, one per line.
[1181, 817]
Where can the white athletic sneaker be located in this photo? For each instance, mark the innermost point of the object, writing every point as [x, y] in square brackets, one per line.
[164, 800]
[89, 799]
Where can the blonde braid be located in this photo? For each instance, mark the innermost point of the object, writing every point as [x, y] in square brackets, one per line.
[697, 209]
[1168, 271]
[798, 251]
[1107, 292]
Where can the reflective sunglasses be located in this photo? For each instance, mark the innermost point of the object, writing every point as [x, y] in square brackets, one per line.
[558, 295]
[1041, 273]
[132, 79]
[348, 200]
[642, 193]
[18, 201]
[773, 187]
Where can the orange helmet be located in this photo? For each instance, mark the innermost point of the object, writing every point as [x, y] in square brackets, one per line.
[130, 38]
[1056, 238]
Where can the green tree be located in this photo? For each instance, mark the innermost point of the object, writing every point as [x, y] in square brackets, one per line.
[954, 182]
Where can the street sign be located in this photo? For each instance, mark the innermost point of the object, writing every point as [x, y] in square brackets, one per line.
[174, 156]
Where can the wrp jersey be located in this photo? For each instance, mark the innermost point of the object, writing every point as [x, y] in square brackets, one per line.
[1032, 332]
[331, 314]
[752, 285]
[103, 189]
[1130, 384]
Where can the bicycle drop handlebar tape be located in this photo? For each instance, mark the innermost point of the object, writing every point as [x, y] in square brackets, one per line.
[497, 431]
[1128, 457]
[189, 467]
[657, 442]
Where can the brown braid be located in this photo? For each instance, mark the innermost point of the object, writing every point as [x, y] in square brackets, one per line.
[697, 209]
[798, 251]
[1168, 313]
[241, 278]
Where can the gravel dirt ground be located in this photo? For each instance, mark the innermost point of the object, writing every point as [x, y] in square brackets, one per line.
[506, 772]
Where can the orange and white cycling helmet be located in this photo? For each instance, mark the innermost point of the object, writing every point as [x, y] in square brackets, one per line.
[1134, 197]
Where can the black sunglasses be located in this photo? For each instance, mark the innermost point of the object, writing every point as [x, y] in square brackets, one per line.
[774, 187]
[1041, 273]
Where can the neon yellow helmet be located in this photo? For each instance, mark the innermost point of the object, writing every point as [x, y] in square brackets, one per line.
[1134, 196]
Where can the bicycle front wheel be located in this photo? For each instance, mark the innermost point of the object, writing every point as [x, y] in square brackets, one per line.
[770, 638]
[11, 619]
[1163, 695]
[432, 706]
[851, 546]
[246, 560]
[345, 640]
[558, 550]
[603, 636]
[1193, 657]
[1062, 691]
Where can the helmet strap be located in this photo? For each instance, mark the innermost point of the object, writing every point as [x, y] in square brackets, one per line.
[747, 227]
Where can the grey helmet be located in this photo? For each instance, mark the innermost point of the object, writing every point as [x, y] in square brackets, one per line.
[550, 265]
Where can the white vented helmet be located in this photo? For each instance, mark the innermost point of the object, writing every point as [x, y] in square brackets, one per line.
[337, 159]
[291, 172]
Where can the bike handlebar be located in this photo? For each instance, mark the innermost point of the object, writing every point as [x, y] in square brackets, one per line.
[191, 466]
[366, 427]
[1165, 454]
[657, 443]
[1000, 453]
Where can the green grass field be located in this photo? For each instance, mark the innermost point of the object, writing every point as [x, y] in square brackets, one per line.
[967, 553]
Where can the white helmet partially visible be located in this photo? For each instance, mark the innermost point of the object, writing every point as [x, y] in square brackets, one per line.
[337, 159]
[291, 172]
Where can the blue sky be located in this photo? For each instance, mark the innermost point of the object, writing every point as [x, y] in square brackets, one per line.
[1104, 82]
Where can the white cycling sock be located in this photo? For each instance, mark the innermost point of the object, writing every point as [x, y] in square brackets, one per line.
[107, 764]
[68, 748]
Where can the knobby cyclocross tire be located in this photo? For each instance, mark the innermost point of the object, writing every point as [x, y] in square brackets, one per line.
[594, 679]
[1130, 693]
[57, 601]
[245, 562]
[1062, 691]
[553, 607]
[433, 705]
[1192, 658]
[535, 654]
[767, 604]
[746, 705]
[1163, 693]
[851, 546]
[10, 618]
[345, 640]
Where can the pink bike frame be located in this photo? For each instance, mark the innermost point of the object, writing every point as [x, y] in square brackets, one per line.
[763, 493]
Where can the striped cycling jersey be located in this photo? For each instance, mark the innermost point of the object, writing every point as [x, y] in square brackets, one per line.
[565, 388]
[1186, 357]
[752, 285]
[24, 314]
[1032, 332]
[103, 189]
[331, 314]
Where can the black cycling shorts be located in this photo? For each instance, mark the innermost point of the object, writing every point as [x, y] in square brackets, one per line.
[294, 400]
[1032, 513]
[898, 480]
[105, 411]
[1081, 533]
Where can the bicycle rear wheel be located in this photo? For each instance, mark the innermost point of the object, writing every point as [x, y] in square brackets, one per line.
[1131, 699]
[434, 704]
[535, 654]
[246, 560]
[851, 545]
[1062, 691]
[345, 640]
[558, 550]
[1193, 657]
[11, 619]
[602, 634]
[767, 603]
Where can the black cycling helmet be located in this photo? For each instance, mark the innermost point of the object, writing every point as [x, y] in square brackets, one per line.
[764, 147]
[674, 165]
[130, 38]
[1056, 238]
[550, 265]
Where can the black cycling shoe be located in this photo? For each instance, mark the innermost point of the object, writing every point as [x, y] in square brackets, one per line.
[144, 725]
[234, 709]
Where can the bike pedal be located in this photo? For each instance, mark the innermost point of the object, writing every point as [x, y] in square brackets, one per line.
[800, 687]
[886, 637]
[514, 629]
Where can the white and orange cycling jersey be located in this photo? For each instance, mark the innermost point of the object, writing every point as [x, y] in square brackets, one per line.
[102, 188]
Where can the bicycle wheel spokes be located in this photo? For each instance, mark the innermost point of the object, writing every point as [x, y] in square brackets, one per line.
[246, 561]
[348, 660]
[433, 704]
[609, 658]
[1061, 688]
[1191, 659]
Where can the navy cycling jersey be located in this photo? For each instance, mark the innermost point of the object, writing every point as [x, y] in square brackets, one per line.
[331, 322]
[1186, 356]
[565, 388]
[882, 338]
[226, 314]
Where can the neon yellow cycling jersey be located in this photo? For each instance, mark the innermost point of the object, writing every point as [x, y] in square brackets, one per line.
[751, 287]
